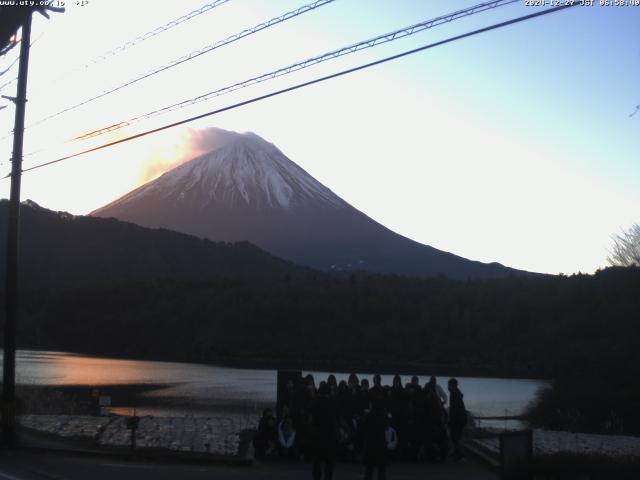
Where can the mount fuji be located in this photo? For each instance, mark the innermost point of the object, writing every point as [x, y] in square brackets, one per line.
[246, 189]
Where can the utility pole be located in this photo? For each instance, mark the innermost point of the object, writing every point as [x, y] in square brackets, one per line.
[11, 286]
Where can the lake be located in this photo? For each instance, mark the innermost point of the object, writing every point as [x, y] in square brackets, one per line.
[199, 389]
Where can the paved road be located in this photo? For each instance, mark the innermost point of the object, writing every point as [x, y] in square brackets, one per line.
[26, 465]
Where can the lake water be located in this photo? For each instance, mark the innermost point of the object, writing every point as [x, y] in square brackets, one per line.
[207, 389]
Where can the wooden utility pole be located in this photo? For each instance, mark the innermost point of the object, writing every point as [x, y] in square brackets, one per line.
[11, 286]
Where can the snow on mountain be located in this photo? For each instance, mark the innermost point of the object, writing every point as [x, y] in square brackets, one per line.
[247, 189]
[246, 170]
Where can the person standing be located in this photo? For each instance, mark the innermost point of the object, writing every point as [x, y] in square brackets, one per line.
[436, 441]
[398, 408]
[324, 434]
[374, 455]
[364, 398]
[433, 384]
[377, 393]
[434, 387]
[265, 440]
[457, 416]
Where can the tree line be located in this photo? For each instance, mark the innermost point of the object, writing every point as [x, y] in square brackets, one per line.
[576, 330]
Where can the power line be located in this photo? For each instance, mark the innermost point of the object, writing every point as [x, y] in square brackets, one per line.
[372, 42]
[308, 83]
[6, 84]
[146, 36]
[15, 61]
[12, 64]
[6, 50]
[12, 44]
[190, 56]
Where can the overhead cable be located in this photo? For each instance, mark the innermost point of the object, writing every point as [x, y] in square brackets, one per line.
[372, 42]
[15, 62]
[306, 84]
[10, 46]
[190, 56]
[152, 33]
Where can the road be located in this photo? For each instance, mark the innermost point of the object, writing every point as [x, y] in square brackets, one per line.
[31, 465]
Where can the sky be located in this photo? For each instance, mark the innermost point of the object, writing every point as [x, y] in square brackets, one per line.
[515, 146]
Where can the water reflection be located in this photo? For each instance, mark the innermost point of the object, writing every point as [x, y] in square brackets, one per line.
[202, 389]
[58, 368]
[490, 397]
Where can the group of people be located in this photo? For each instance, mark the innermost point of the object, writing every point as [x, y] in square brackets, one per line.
[355, 421]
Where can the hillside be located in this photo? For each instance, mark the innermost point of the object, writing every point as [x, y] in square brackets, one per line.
[61, 250]
[247, 189]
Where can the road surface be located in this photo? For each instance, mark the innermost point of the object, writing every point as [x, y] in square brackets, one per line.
[34, 465]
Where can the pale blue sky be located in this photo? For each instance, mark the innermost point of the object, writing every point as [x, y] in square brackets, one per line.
[514, 146]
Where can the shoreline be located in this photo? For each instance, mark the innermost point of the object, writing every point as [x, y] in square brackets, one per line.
[124, 400]
[404, 368]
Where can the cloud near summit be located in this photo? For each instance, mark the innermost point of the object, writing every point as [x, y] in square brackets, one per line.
[182, 148]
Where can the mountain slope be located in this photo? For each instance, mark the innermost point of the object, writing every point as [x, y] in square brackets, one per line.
[63, 250]
[247, 189]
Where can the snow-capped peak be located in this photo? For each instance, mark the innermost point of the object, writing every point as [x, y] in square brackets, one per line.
[245, 171]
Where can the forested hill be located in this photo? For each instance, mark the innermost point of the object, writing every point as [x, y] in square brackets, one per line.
[59, 250]
[582, 325]
[129, 291]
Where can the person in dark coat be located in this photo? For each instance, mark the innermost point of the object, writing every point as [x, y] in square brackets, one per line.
[398, 408]
[364, 397]
[265, 440]
[350, 400]
[288, 404]
[324, 434]
[374, 455]
[435, 442]
[414, 386]
[333, 384]
[377, 393]
[457, 416]
[413, 431]
[309, 390]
